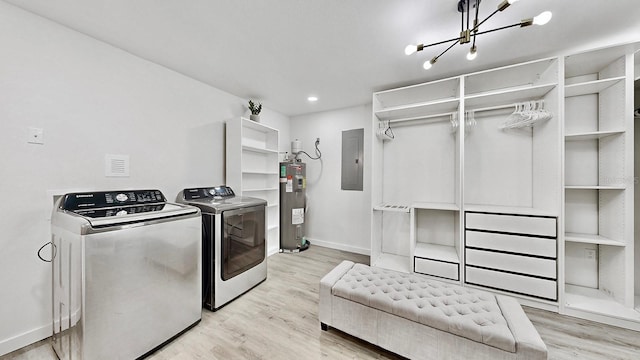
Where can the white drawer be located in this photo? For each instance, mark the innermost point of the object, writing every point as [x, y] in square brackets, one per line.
[521, 284]
[514, 263]
[512, 243]
[436, 268]
[532, 225]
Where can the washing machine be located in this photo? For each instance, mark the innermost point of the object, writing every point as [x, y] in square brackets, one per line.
[126, 273]
[234, 251]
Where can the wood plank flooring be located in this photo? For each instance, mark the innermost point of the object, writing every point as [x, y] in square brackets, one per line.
[278, 320]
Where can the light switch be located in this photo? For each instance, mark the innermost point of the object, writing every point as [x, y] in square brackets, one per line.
[35, 136]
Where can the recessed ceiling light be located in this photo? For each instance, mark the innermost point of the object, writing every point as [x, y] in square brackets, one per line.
[312, 98]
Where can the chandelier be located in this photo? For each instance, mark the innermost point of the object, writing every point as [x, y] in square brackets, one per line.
[469, 34]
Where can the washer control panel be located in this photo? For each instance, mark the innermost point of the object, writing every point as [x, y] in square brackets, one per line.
[105, 199]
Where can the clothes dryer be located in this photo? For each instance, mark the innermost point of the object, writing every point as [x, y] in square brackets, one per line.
[233, 242]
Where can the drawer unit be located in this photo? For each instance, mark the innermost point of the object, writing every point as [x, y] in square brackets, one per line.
[436, 268]
[519, 224]
[525, 265]
[521, 244]
[541, 288]
[513, 253]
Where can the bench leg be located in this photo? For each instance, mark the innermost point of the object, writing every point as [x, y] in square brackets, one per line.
[324, 326]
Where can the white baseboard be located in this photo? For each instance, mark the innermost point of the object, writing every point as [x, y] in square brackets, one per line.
[273, 250]
[339, 246]
[27, 338]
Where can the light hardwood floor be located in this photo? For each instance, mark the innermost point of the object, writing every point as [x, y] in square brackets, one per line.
[278, 320]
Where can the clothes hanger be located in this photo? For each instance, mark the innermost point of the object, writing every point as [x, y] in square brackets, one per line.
[389, 132]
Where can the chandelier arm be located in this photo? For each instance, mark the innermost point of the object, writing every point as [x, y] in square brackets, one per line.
[487, 18]
[475, 24]
[442, 42]
[454, 42]
[468, 7]
[500, 28]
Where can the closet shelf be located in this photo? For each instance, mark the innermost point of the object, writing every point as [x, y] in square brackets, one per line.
[392, 207]
[392, 262]
[508, 210]
[594, 187]
[594, 135]
[436, 252]
[597, 302]
[591, 239]
[591, 87]
[418, 109]
[419, 93]
[259, 150]
[523, 74]
[506, 96]
[435, 206]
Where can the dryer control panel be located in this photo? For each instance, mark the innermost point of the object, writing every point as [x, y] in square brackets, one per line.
[216, 192]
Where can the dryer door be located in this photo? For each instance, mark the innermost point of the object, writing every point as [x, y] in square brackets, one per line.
[243, 240]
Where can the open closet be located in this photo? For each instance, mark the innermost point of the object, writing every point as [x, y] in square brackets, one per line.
[511, 178]
[422, 168]
[518, 180]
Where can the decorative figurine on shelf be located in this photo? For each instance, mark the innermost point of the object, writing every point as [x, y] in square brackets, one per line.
[255, 111]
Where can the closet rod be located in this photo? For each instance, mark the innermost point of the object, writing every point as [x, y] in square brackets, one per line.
[426, 117]
[497, 107]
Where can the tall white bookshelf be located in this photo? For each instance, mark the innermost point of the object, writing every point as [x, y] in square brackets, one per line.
[599, 185]
[252, 168]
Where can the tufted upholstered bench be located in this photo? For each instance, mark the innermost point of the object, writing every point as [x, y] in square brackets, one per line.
[420, 318]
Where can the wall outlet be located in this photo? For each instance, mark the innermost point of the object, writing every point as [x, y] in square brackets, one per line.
[35, 136]
[590, 254]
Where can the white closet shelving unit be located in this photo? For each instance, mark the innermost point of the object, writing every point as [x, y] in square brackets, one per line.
[435, 244]
[524, 178]
[512, 176]
[417, 178]
[544, 212]
[598, 185]
[252, 167]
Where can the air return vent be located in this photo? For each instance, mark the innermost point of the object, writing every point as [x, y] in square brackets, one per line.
[116, 165]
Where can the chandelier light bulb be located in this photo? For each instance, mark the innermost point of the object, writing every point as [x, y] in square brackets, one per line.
[428, 64]
[473, 53]
[543, 18]
[410, 49]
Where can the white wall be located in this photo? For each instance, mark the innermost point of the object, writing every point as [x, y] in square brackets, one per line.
[91, 99]
[636, 191]
[336, 218]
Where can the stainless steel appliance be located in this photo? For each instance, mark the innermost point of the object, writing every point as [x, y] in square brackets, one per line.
[233, 243]
[293, 185]
[126, 273]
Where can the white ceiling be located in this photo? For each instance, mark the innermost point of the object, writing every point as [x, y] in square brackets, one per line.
[282, 51]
